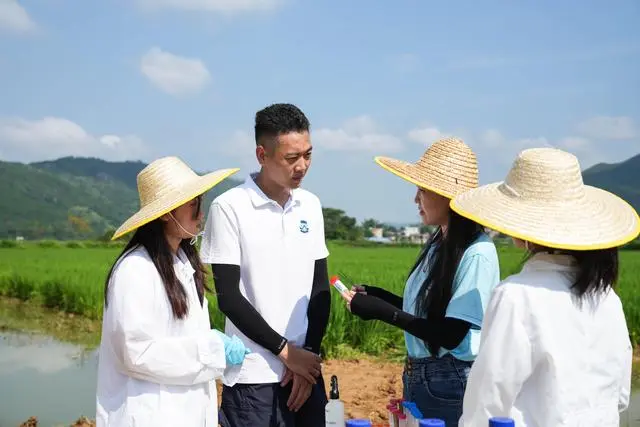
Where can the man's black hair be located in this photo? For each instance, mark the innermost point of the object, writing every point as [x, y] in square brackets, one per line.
[278, 119]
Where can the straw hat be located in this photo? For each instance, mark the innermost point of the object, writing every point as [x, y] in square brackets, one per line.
[543, 200]
[448, 168]
[166, 184]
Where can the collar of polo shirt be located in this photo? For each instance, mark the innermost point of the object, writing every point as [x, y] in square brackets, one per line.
[258, 198]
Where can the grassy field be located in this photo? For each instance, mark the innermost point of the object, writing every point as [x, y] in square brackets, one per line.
[70, 278]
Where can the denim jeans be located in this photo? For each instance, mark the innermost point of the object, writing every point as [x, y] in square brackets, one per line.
[436, 386]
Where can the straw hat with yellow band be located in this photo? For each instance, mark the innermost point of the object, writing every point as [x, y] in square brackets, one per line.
[543, 200]
[166, 184]
[448, 167]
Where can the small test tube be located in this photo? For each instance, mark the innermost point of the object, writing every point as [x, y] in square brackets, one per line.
[391, 414]
[402, 420]
[337, 283]
[417, 415]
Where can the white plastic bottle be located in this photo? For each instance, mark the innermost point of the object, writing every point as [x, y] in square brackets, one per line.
[334, 411]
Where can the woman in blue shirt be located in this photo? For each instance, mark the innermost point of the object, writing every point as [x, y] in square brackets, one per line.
[448, 288]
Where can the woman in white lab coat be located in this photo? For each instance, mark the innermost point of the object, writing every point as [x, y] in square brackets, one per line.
[158, 356]
[555, 349]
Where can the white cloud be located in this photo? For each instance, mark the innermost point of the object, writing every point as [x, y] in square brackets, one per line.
[574, 143]
[174, 74]
[52, 137]
[356, 134]
[425, 136]
[226, 6]
[609, 128]
[14, 18]
[492, 138]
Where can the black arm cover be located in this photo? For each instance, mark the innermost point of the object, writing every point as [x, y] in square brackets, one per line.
[319, 307]
[237, 309]
[448, 332]
[384, 295]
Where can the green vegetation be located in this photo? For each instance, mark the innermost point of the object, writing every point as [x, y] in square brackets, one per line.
[70, 198]
[619, 178]
[86, 198]
[69, 277]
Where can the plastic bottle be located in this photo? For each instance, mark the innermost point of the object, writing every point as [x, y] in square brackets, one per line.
[501, 422]
[334, 410]
[358, 423]
[431, 422]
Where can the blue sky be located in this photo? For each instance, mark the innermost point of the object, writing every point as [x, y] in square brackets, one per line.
[140, 79]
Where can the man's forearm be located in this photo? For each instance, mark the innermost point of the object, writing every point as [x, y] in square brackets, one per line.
[319, 307]
[237, 309]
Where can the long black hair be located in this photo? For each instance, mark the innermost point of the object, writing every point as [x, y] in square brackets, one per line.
[436, 290]
[597, 270]
[152, 237]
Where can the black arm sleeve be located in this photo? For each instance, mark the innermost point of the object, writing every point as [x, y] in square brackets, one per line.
[237, 309]
[319, 307]
[384, 295]
[448, 332]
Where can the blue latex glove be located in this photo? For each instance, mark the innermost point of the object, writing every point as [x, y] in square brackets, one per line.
[234, 349]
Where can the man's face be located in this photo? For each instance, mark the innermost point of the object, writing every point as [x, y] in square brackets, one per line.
[287, 161]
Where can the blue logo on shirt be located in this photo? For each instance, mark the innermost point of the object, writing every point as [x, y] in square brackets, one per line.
[304, 227]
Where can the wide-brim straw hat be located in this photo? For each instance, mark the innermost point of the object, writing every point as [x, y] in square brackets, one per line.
[448, 167]
[544, 200]
[166, 184]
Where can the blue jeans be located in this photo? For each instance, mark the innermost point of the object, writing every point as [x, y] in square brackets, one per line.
[436, 386]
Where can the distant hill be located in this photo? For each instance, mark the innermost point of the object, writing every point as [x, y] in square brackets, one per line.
[621, 178]
[71, 198]
[79, 198]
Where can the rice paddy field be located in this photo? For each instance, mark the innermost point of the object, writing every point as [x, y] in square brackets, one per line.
[69, 277]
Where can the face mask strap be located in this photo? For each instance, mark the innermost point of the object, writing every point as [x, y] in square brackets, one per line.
[194, 237]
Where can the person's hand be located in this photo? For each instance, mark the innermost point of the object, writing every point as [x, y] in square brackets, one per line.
[366, 307]
[300, 391]
[301, 362]
[234, 349]
[359, 289]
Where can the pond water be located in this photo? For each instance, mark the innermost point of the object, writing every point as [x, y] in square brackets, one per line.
[56, 382]
[42, 377]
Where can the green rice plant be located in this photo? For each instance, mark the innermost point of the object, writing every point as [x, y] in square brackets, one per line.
[71, 279]
[9, 243]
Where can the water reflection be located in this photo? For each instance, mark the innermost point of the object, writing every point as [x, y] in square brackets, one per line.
[56, 382]
[40, 376]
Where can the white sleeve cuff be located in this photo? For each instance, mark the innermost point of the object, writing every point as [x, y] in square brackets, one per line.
[211, 350]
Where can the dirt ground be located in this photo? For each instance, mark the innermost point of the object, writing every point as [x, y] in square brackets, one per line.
[365, 388]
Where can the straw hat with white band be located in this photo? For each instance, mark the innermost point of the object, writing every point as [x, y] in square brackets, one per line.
[448, 167]
[166, 184]
[544, 200]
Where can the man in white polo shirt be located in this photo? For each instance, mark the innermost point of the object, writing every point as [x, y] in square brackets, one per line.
[265, 242]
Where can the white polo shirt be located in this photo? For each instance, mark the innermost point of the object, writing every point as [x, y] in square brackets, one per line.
[276, 250]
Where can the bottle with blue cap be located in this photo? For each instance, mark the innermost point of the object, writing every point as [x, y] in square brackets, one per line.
[358, 423]
[501, 422]
[431, 422]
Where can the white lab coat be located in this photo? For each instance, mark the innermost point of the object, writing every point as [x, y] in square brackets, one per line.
[154, 370]
[546, 361]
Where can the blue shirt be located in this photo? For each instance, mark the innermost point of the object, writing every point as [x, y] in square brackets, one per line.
[477, 274]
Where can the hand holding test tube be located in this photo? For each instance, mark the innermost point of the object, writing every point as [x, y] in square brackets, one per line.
[344, 291]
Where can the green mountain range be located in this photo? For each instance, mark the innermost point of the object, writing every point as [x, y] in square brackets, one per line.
[71, 198]
[80, 198]
[621, 178]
